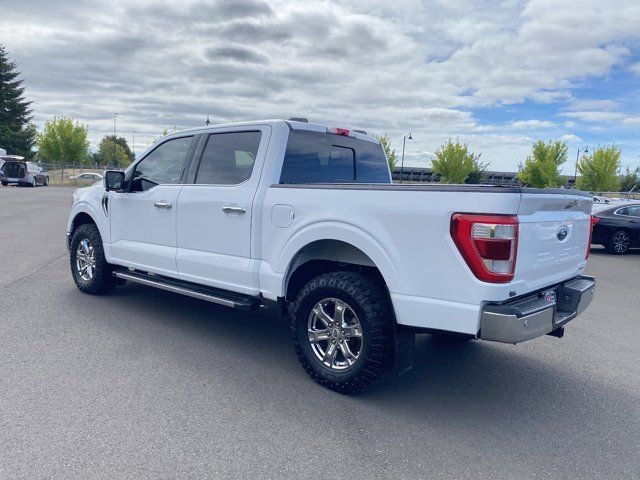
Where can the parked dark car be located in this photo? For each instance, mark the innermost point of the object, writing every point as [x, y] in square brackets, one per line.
[617, 228]
[23, 173]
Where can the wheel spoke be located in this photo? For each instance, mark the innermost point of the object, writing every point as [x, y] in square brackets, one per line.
[330, 354]
[316, 336]
[346, 352]
[352, 331]
[323, 316]
[338, 313]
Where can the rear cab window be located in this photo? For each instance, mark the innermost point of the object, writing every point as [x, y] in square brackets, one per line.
[317, 157]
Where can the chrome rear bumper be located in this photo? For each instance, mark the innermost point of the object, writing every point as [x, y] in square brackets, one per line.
[538, 314]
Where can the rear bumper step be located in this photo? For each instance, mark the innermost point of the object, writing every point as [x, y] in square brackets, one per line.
[539, 314]
[209, 294]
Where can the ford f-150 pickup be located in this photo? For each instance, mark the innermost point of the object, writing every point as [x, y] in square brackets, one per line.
[306, 216]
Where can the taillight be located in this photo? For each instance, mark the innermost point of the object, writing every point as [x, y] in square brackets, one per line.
[488, 243]
[593, 222]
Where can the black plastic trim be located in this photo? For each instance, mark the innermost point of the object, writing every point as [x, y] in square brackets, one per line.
[432, 188]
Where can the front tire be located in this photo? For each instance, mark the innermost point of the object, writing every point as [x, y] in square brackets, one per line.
[343, 331]
[46, 181]
[91, 272]
[619, 243]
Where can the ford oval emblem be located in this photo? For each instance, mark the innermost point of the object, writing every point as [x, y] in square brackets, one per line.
[562, 233]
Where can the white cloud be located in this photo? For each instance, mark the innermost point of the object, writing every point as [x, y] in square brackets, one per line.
[413, 65]
[570, 138]
[531, 124]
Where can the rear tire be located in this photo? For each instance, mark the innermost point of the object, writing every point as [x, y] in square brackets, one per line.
[619, 243]
[350, 322]
[91, 272]
[4, 184]
[46, 182]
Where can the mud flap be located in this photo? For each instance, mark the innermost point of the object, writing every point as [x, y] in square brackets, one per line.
[405, 349]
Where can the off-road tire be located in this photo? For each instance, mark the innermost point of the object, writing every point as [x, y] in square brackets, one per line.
[102, 280]
[371, 303]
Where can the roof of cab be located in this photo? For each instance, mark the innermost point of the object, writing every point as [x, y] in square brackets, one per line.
[292, 124]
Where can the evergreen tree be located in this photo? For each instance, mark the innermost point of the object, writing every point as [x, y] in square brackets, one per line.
[17, 134]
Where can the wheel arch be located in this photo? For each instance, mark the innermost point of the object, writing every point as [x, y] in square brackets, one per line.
[81, 218]
[329, 255]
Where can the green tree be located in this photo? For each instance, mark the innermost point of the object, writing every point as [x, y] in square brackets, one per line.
[542, 168]
[125, 146]
[600, 170]
[454, 162]
[388, 150]
[63, 142]
[630, 180]
[17, 133]
[111, 153]
[479, 171]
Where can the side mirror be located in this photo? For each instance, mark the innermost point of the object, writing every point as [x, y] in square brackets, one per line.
[113, 180]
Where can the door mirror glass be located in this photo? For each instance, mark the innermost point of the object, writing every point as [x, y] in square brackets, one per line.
[113, 180]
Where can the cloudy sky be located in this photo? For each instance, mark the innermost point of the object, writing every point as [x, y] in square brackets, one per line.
[496, 74]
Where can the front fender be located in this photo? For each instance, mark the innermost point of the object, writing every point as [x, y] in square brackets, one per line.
[88, 202]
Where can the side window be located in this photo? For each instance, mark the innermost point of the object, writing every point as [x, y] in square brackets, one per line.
[228, 158]
[622, 211]
[634, 211]
[164, 165]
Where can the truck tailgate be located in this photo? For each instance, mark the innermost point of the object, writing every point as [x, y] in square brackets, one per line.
[553, 239]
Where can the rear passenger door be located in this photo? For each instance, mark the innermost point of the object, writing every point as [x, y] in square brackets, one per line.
[215, 209]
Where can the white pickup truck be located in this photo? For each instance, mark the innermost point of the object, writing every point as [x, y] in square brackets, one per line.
[307, 216]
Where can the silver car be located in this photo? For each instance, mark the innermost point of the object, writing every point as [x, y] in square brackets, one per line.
[20, 172]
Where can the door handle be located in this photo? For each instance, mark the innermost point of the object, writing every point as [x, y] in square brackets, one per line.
[239, 210]
[166, 205]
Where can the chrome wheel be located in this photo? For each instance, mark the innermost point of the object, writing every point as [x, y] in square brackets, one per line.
[85, 259]
[335, 334]
[621, 241]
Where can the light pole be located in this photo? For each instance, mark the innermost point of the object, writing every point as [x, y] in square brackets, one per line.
[575, 173]
[404, 141]
[207, 121]
[114, 139]
[133, 144]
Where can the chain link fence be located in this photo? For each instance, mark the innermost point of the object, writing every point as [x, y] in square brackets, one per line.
[68, 174]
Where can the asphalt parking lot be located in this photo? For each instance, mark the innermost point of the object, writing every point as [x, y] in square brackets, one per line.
[146, 384]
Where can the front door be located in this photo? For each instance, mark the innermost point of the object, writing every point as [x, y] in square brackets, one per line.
[143, 219]
[215, 212]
